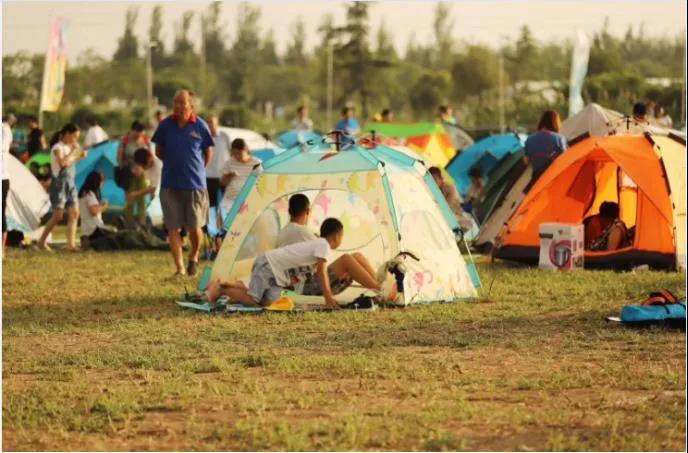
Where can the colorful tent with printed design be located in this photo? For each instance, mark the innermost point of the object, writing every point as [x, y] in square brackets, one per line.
[386, 200]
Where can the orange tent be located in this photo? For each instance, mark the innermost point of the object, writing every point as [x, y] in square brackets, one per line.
[624, 169]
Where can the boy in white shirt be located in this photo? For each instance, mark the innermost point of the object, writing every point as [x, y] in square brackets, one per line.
[95, 134]
[281, 268]
[342, 271]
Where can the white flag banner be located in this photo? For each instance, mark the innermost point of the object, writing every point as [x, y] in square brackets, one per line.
[579, 69]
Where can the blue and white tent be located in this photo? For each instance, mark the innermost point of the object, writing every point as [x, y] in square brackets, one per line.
[484, 154]
[386, 200]
[104, 159]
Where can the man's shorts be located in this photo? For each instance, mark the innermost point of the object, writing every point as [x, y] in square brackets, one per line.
[63, 193]
[263, 286]
[312, 286]
[184, 208]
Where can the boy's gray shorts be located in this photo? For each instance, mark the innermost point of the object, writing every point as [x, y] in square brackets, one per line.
[263, 286]
[184, 208]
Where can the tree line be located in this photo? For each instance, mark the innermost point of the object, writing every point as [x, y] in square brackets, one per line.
[250, 84]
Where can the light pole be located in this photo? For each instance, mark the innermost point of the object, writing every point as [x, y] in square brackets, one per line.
[149, 79]
[330, 76]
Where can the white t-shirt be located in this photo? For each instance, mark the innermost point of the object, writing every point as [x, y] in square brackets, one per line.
[220, 155]
[242, 170]
[294, 233]
[95, 135]
[302, 125]
[59, 149]
[89, 222]
[6, 144]
[296, 263]
[154, 173]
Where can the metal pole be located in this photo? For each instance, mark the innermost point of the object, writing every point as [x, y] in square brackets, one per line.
[149, 82]
[203, 62]
[501, 92]
[330, 76]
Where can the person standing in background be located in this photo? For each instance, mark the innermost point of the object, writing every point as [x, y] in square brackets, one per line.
[545, 145]
[35, 141]
[220, 158]
[95, 134]
[302, 121]
[7, 122]
[662, 118]
[446, 115]
[184, 144]
[348, 123]
[65, 152]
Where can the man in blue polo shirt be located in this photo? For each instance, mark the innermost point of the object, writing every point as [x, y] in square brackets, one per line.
[184, 144]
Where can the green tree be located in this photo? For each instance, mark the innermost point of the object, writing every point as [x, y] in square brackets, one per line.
[384, 48]
[432, 89]
[155, 36]
[213, 35]
[296, 49]
[182, 42]
[444, 42]
[128, 45]
[475, 72]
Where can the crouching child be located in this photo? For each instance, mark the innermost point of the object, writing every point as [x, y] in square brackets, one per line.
[285, 267]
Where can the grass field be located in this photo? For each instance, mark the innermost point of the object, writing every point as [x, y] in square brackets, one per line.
[96, 356]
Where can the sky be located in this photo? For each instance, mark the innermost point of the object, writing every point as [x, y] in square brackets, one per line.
[97, 25]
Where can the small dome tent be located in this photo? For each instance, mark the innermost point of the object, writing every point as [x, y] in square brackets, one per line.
[386, 200]
[27, 201]
[630, 170]
[485, 154]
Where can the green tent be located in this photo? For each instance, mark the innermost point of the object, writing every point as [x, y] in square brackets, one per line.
[42, 158]
[501, 179]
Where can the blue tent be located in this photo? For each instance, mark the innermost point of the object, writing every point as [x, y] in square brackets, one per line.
[288, 139]
[485, 154]
[104, 159]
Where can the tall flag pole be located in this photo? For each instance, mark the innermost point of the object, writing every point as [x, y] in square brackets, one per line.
[579, 69]
[54, 69]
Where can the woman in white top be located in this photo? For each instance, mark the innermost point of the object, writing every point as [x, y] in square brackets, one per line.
[65, 152]
[91, 208]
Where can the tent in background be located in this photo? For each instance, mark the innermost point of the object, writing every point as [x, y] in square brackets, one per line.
[253, 139]
[626, 169]
[502, 212]
[430, 140]
[385, 199]
[598, 121]
[499, 183]
[27, 201]
[291, 138]
[484, 154]
[104, 159]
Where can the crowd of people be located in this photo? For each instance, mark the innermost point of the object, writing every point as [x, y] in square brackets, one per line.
[196, 166]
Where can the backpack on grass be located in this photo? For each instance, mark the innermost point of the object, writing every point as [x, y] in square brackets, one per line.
[662, 307]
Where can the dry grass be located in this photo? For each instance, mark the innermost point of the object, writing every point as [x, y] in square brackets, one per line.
[97, 357]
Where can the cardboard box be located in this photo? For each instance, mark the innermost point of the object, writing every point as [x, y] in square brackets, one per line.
[561, 246]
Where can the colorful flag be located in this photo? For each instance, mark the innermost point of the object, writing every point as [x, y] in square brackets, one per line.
[55, 65]
[579, 68]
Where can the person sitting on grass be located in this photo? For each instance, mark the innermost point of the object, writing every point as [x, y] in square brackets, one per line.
[285, 267]
[605, 231]
[451, 195]
[342, 271]
[474, 190]
[99, 236]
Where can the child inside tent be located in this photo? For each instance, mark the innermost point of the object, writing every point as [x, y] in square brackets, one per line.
[285, 267]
